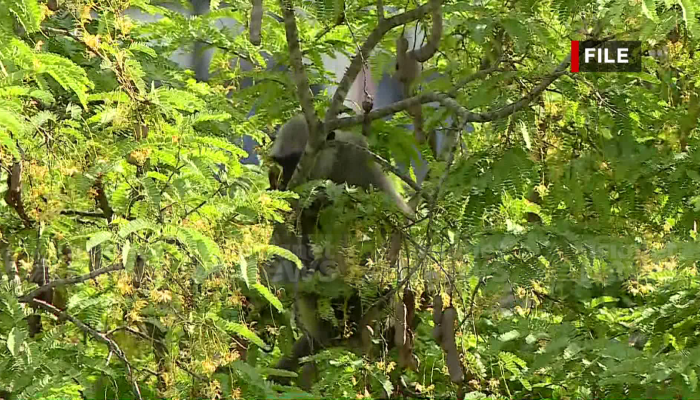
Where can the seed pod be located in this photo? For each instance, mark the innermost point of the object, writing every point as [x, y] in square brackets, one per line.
[448, 324]
[409, 300]
[437, 309]
[400, 324]
[454, 367]
[437, 334]
[449, 316]
[256, 15]
[406, 357]
[141, 131]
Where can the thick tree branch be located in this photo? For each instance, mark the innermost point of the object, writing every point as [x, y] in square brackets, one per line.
[298, 71]
[453, 105]
[424, 53]
[301, 81]
[256, 14]
[370, 43]
[100, 337]
[69, 281]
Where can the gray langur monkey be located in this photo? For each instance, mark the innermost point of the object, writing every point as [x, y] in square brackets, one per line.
[340, 164]
[343, 162]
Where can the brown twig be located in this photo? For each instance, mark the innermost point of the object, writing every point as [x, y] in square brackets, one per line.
[69, 281]
[99, 336]
[13, 197]
[370, 43]
[90, 214]
[453, 105]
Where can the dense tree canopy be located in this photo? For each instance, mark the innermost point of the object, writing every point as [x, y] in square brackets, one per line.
[557, 225]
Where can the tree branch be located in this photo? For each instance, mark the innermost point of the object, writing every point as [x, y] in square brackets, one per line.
[303, 93]
[298, 71]
[424, 53]
[113, 346]
[69, 281]
[256, 15]
[92, 214]
[453, 105]
[475, 76]
[370, 43]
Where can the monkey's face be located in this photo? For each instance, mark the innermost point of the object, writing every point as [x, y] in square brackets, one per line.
[288, 164]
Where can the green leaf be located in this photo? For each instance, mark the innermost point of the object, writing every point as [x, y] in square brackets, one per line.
[157, 176]
[526, 136]
[97, 239]
[14, 341]
[279, 372]
[649, 9]
[10, 121]
[244, 332]
[68, 74]
[128, 256]
[265, 292]
[386, 385]
[508, 336]
[140, 47]
[691, 379]
[272, 250]
[244, 269]
[602, 300]
[136, 225]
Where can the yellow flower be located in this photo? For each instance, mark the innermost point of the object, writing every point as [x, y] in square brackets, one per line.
[161, 296]
[85, 13]
[124, 285]
[231, 356]
[91, 41]
[208, 366]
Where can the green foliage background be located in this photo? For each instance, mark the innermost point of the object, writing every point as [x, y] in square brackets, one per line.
[613, 158]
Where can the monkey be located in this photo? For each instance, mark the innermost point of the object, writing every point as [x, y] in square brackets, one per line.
[340, 164]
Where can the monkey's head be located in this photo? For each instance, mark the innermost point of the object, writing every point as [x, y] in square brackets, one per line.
[344, 164]
[289, 145]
